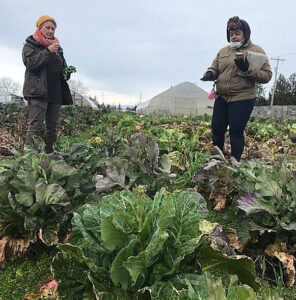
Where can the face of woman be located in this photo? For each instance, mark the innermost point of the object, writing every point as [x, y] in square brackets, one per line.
[236, 35]
[48, 29]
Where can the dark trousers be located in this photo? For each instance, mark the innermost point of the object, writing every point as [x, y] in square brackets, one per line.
[41, 112]
[236, 115]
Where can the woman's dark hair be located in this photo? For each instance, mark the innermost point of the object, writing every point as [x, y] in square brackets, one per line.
[236, 23]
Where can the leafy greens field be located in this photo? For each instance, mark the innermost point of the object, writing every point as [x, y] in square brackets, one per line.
[133, 207]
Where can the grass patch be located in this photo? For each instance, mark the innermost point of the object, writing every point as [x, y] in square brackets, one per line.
[26, 275]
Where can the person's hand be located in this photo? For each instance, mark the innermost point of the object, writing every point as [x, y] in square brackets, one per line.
[208, 76]
[54, 47]
[242, 64]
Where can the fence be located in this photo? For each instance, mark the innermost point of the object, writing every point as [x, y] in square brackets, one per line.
[276, 112]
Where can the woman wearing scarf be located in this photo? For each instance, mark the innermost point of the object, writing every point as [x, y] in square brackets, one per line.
[44, 86]
[236, 86]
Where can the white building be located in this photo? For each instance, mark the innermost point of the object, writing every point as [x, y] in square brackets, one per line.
[11, 97]
[183, 99]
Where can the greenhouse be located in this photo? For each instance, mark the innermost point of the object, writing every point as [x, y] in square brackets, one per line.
[183, 99]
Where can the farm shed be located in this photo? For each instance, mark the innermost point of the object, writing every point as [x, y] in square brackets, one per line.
[183, 99]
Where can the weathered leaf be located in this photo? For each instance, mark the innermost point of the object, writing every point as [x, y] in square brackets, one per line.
[252, 204]
[49, 236]
[60, 170]
[11, 248]
[279, 250]
[240, 265]
[165, 164]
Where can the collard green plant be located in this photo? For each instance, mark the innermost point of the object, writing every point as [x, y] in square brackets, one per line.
[132, 247]
[133, 240]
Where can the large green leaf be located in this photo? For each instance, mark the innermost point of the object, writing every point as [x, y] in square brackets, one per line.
[118, 273]
[25, 180]
[240, 265]
[25, 198]
[251, 204]
[86, 226]
[166, 211]
[49, 194]
[268, 187]
[137, 265]
[60, 170]
[111, 236]
[184, 232]
[127, 209]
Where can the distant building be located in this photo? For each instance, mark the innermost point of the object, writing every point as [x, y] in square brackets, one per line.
[183, 99]
[11, 97]
[81, 100]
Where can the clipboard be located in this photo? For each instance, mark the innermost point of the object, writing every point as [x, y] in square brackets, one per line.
[256, 60]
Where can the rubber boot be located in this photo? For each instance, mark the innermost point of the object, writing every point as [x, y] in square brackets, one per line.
[49, 141]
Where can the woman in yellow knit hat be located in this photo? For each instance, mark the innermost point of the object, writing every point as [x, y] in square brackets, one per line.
[45, 88]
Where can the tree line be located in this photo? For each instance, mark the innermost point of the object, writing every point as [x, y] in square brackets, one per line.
[285, 92]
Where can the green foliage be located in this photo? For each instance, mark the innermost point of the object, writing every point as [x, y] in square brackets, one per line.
[138, 163]
[131, 239]
[68, 71]
[285, 93]
[38, 192]
[10, 115]
[74, 119]
[111, 255]
[265, 129]
[130, 246]
[270, 196]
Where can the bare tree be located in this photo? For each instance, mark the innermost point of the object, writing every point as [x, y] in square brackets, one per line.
[8, 85]
[77, 85]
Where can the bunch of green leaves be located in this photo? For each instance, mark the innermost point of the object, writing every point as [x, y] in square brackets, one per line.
[132, 247]
[68, 71]
[37, 196]
[269, 200]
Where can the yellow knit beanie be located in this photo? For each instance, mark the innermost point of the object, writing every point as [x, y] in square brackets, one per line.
[43, 19]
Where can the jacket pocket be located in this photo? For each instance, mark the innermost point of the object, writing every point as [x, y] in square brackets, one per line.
[34, 87]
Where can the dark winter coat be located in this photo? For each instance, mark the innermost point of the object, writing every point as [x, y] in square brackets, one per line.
[36, 59]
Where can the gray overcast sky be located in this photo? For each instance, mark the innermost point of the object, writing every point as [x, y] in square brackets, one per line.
[143, 47]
